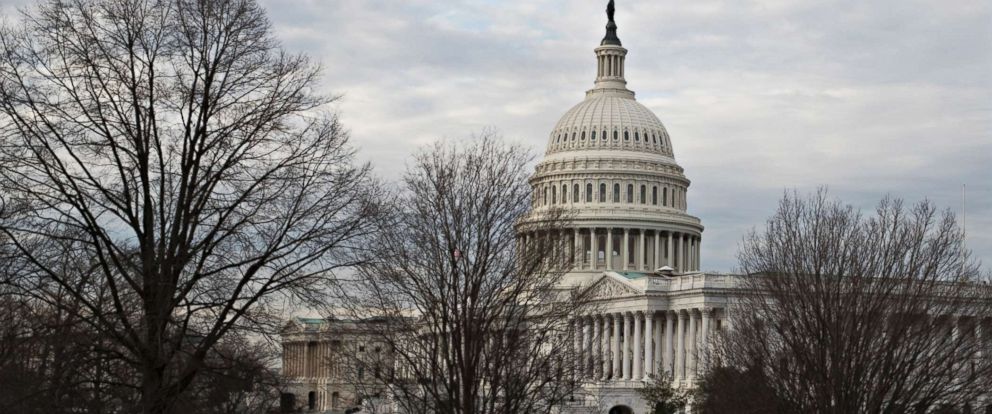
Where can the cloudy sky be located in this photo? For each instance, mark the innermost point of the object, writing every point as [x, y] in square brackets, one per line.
[866, 97]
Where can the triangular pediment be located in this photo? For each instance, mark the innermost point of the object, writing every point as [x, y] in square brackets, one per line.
[609, 287]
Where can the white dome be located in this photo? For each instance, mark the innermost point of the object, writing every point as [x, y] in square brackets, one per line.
[628, 125]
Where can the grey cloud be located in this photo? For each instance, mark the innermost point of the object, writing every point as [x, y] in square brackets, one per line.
[869, 98]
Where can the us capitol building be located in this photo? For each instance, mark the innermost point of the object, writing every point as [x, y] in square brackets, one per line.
[611, 161]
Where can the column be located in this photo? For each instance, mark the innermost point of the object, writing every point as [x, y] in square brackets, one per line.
[637, 371]
[657, 249]
[699, 251]
[604, 343]
[586, 347]
[577, 251]
[615, 347]
[677, 258]
[656, 369]
[695, 253]
[669, 348]
[624, 254]
[691, 347]
[680, 347]
[594, 260]
[578, 347]
[625, 347]
[306, 363]
[648, 344]
[685, 253]
[671, 256]
[705, 336]
[688, 253]
[597, 351]
[642, 259]
[609, 249]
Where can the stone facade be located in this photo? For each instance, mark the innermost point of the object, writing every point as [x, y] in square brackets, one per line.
[324, 365]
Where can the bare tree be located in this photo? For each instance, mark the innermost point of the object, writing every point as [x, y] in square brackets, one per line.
[183, 158]
[474, 321]
[847, 313]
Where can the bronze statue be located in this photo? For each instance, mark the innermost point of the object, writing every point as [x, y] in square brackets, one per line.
[610, 9]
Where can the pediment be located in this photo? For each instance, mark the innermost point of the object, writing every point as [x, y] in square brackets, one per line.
[609, 287]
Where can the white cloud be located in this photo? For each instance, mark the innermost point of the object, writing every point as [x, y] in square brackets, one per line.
[869, 98]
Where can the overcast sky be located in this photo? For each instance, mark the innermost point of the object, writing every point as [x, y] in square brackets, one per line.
[866, 97]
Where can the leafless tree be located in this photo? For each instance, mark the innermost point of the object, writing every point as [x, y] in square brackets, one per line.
[181, 157]
[848, 313]
[475, 322]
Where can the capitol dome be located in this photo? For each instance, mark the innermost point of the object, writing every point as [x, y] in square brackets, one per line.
[611, 121]
[610, 161]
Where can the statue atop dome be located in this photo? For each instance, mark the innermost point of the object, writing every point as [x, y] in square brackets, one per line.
[611, 27]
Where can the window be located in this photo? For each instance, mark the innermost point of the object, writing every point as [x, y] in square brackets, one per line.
[564, 193]
[573, 136]
[335, 400]
[589, 193]
[604, 135]
[644, 194]
[654, 195]
[545, 196]
[630, 193]
[554, 195]
[361, 348]
[664, 197]
[583, 136]
[361, 372]
[616, 193]
[637, 137]
[602, 193]
[593, 136]
[616, 135]
[558, 139]
[654, 138]
[626, 136]
[575, 193]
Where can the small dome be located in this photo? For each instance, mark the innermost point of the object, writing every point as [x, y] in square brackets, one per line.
[628, 125]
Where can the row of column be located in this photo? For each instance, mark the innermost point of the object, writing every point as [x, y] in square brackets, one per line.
[308, 359]
[635, 249]
[610, 65]
[634, 346]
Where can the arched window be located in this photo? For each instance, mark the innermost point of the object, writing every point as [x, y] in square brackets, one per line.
[604, 135]
[593, 136]
[602, 193]
[564, 193]
[575, 193]
[335, 400]
[626, 136]
[545, 202]
[583, 138]
[630, 193]
[637, 137]
[554, 195]
[589, 193]
[664, 196]
[616, 193]
[558, 139]
[616, 135]
[654, 195]
[654, 138]
[644, 194]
